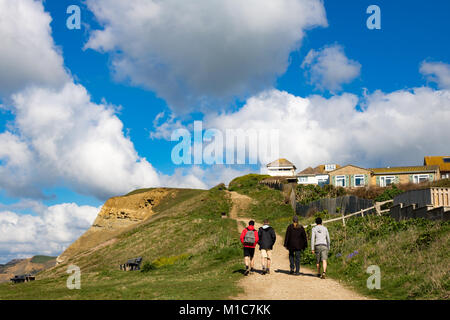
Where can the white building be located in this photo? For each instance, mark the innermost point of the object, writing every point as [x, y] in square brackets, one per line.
[281, 168]
[319, 175]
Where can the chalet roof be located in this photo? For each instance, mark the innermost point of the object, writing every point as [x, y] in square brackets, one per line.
[307, 171]
[311, 172]
[410, 169]
[349, 165]
[439, 161]
[281, 163]
[317, 170]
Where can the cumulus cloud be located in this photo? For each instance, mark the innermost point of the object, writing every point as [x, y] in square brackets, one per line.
[329, 68]
[396, 128]
[438, 72]
[49, 233]
[64, 138]
[28, 55]
[195, 53]
[204, 177]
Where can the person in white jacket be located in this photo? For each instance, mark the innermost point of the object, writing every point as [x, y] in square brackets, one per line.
[320, 245]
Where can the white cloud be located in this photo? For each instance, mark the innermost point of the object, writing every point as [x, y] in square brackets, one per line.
[205, 51]
[329, 68]
[204, 178]
[397, 128]
[64, 138]
[165, 127]
[438, 72]
[28, 55]
[48, 233]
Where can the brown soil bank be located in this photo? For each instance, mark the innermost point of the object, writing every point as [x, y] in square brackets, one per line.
[25, 266]
[117, 215]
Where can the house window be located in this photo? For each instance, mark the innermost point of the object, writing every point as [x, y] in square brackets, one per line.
[302, 179]
[330, 167]
[322, 181]
[419, 178]
[386, 180]
[340, 181]
[359, 180]
[447, 160]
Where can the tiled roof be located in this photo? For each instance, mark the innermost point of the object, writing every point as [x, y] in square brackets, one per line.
[317, 170]
[281, 163]
[349, 165]
[405, 169]
[307, 171]
[443, 166]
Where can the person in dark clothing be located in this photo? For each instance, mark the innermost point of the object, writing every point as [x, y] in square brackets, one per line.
[267, 238]
[295, 241]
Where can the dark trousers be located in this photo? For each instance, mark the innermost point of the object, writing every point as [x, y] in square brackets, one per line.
[294, 259]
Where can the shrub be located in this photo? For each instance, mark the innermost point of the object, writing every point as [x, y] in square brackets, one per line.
[148, 266]
[389, 193]
[424, 240]
[247, 182]
[163, 262]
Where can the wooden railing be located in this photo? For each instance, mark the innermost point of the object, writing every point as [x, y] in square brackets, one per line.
[440, 197]
[377, 208]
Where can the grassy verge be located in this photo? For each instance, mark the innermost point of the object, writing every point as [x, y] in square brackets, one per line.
[42, 259]
[412, 255]
[195, 254]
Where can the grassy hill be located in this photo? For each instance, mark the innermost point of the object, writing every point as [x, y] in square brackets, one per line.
[190, 252]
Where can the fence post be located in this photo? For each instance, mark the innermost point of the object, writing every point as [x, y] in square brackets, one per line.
[343, 219]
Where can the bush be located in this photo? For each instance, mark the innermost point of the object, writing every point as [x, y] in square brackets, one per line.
[148, 266]
[163, 262]
[307, 193]
[246, 183]
[424, 240]
[389, 193]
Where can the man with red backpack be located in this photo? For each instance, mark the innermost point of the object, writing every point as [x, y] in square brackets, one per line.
[249, 238]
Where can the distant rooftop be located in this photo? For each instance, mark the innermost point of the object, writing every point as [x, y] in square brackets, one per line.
[442, 161]
[405, 169]
[281, 163]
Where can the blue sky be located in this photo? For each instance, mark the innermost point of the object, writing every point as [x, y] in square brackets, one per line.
[380, 70]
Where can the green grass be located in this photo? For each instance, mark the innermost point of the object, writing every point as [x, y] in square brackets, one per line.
[137, 191]
[42, 259]
[268, 203]
[195, 252]
[413, 256]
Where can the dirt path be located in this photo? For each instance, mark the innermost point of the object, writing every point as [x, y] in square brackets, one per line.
[279, 285]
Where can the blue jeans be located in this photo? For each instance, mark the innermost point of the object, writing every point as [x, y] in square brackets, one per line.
[294, 259]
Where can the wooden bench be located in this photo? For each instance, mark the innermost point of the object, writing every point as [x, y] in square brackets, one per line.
[23, 278]
[132, 264]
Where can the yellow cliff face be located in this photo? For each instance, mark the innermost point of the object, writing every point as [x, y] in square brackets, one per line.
[116, 216]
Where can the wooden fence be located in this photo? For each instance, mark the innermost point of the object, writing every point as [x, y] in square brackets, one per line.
[377, 208]
[440, 197]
